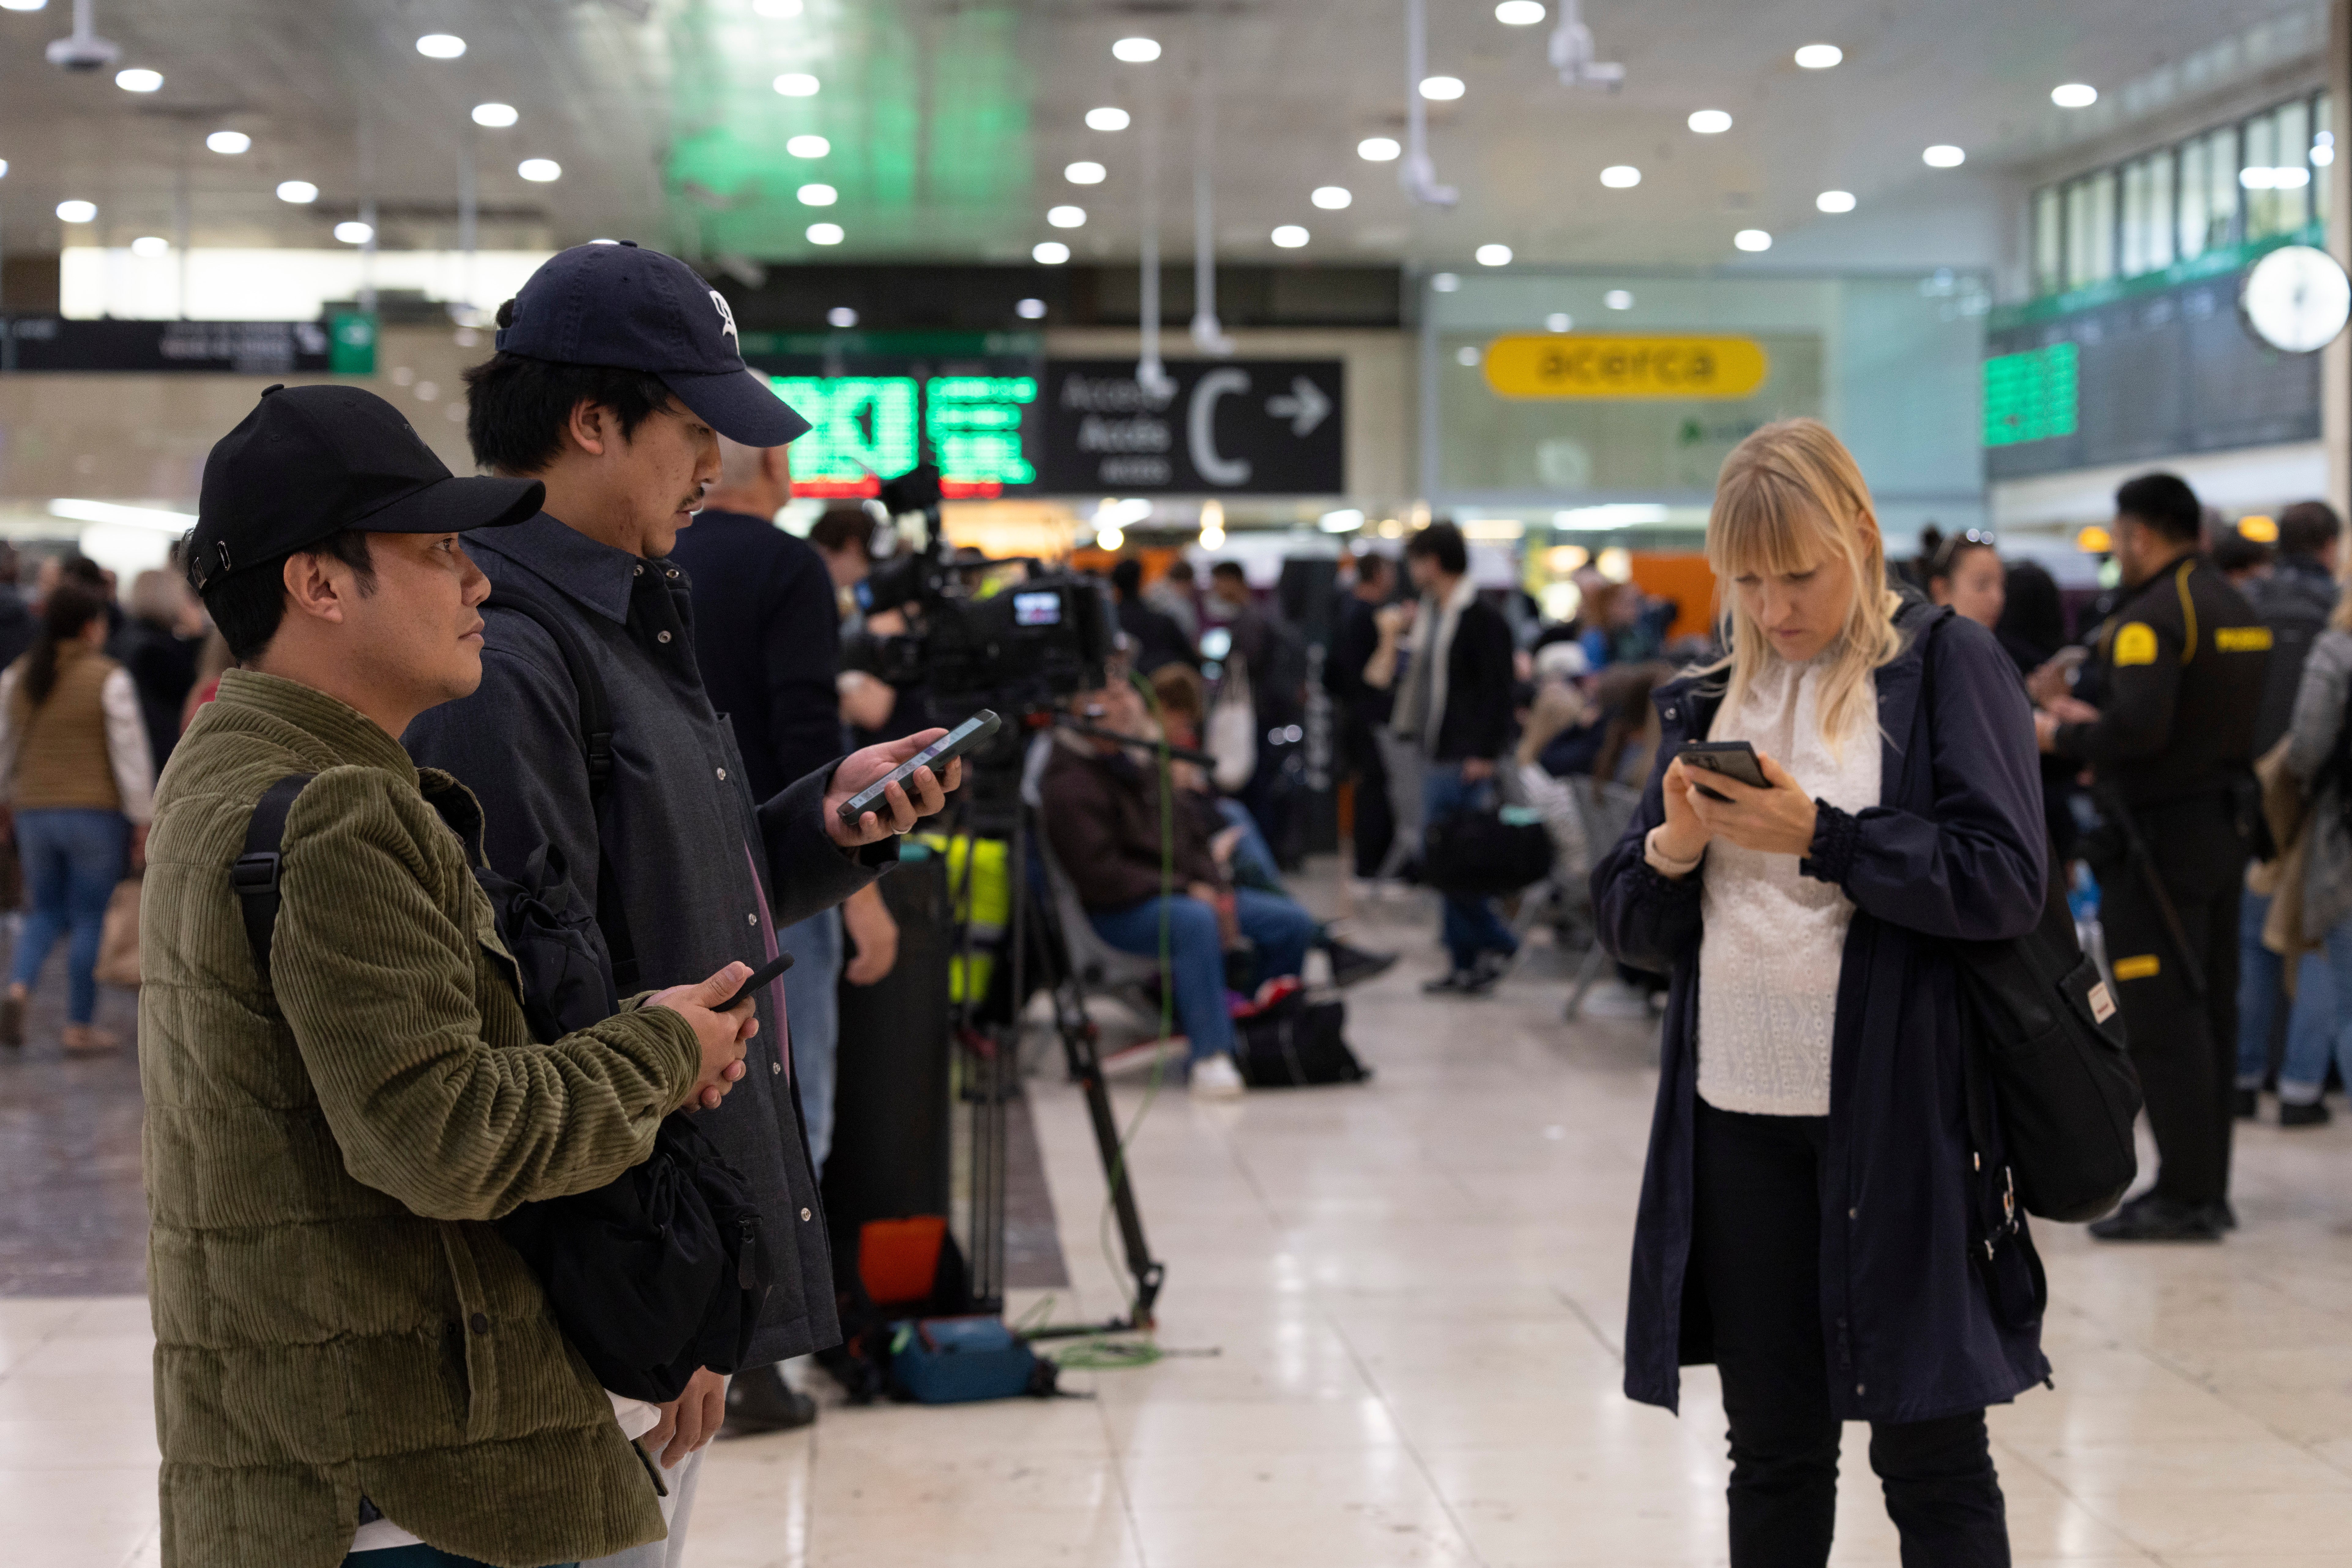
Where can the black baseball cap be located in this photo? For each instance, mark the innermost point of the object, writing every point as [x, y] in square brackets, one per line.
[309, 461]
[617, 303]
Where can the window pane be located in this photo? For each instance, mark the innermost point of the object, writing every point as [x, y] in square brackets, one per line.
[2134, 260]
[2221, 187]
[2049, 240]
[2159, 197]
[2322, 154]
[2293, 164]
[2265, 206]
[2103, 220]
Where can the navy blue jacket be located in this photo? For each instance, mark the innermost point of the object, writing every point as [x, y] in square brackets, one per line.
[1956, 850]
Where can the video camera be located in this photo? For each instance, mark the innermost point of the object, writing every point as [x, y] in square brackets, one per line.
[976, 641]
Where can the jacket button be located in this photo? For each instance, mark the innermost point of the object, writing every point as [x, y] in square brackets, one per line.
[661, 637]
[722, 772]
[478, 1323]
[775, 1067]
[673, 571]
[753, 917]
[1854, 1214]
[1858, 1387]
[806, 1215]
[636, 571]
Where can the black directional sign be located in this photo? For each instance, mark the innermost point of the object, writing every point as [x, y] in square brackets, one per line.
[1213, 427]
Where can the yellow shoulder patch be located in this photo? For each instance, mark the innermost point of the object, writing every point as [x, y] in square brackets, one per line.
[2243, 639]
[2136, 644]
[2145, 967]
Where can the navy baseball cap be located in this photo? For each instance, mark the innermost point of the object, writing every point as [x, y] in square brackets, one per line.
[621, 304]
[309, 461]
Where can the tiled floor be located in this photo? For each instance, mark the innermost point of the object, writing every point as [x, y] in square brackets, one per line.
[1394, 1313]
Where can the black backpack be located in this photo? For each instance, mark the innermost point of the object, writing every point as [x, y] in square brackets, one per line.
[1485, 851]
[1294, 1043]
[2296, 610]
[665, 1268]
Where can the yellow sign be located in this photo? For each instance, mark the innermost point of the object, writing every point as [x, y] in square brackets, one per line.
[1594, 364]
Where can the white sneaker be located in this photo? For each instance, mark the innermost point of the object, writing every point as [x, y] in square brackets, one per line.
[1218, 1077]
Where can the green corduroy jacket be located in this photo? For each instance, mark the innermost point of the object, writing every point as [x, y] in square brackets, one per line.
[335, 1316]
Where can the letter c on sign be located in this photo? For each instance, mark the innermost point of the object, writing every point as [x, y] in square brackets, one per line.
[1201, 427]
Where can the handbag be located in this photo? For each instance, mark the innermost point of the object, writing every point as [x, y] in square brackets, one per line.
[1230, 734]
[1489, 851]
[118, 942]
[1292, 1042]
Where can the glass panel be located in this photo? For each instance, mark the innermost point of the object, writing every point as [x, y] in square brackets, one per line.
[2078, 233]
[2221, 187]
[2049, 242]
[2103, 226]
[2293, 181]
[2258, 173]
[2159, 200]
[2134, 260]
[2196, 201]
[2323, 153]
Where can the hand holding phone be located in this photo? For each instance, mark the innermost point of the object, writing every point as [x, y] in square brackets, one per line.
[1732, 759]
[963, 737]
[767, 974]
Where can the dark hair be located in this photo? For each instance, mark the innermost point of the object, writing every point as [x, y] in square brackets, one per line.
[1127, 576]
[1372, 566]
[2308, 527]
[1180, 570]
[1441, 542]
[71, 606]
[517, 407]
[1229, 569]
[1945, 556]
[2233, 552]
[2163, 502]
[1177, 689]
[2032, 609]
[248, 607]
[841, 526]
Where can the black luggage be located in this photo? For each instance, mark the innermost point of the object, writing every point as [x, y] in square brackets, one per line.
[1491, 852]
[1292, 1042]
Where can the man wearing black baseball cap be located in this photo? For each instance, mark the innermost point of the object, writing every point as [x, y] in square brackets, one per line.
[617, 369]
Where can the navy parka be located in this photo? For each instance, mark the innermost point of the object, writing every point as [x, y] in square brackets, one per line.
[1956, 849]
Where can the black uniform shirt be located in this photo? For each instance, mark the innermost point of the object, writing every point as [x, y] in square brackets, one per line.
[2180, 662]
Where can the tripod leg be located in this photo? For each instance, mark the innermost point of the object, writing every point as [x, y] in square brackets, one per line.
[1078, 1034]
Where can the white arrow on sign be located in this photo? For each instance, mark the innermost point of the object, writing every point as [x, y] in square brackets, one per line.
[1303, 405]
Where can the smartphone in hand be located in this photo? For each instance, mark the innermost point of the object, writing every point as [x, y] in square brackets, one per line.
[764, 975]
[963, 737]
[1732, 759]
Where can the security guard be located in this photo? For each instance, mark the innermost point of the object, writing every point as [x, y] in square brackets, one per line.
[2178, 667]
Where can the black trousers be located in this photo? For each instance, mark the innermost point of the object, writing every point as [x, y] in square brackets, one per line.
[1755, 1252]
[2185, 1046]
[1375, 816]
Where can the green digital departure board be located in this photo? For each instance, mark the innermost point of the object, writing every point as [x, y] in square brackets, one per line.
[861, 427]
[2031, 397]
[975, 423]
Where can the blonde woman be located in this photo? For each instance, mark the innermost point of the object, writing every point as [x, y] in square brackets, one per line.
[1813, 1210]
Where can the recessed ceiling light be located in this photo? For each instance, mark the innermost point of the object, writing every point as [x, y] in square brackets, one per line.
[302, 193]
[825, 233]
[540, 170]
[77, 212]
[1107, 119]
[1136, 51]
[1378, 149]
[150, 246]
[1084, 171]
[1617, 299]
[808, 146]
[1290, 235]
[1558, 322]
[496, 116]
[841, 316]
[817, 195]
[1066, 218]
[231, 143]
[440, 46]
[1442, 89]
[1943, 156]
[1030, 310]
[1752, 240]
[798, 84]
[1820, 57]
[138, 78]
[1446, 282]
[353, 233]
[1621, 176]
[1494, 254]
[2074, 95]
[1331, 198]
[776, 10]
[1834, 201]
[22, 4]
[1710, 122]
[1519, 12]
[1049, 253]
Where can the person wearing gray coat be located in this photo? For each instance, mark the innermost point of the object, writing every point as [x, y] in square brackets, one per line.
[2321, 1024]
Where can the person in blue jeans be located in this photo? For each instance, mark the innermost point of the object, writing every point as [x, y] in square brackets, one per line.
[74, 772]
[2319, 754]
[1142, 864]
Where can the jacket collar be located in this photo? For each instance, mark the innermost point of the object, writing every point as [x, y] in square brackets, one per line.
[592, 572]
[330, 733]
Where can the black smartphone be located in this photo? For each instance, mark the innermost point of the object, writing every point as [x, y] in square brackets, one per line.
[766, 974]
[1732, 759]
[947, 748]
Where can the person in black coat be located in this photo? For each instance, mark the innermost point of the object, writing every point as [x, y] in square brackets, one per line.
[1813, 1209]
[1158, 639]
[1364, 709]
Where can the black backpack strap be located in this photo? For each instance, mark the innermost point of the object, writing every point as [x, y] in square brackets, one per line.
[255, 873]
[596, 742]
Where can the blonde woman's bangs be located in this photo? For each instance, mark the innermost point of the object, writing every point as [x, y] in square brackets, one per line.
[1768, 526]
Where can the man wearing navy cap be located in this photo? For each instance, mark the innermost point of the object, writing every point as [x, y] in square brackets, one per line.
[617, 369]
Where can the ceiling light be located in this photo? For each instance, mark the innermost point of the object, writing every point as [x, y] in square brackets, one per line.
[152, 517]
[4, 168]
[1136, 51]
[1107, 119]
[1111, 538]
[1030, 310]
[1819, 57]
[1558, 322]
[1378, 149]
[138, 78]
[1066, 218]
[1710, 122]
[824, 234]
[1446, 282]
[797, 84]
[841, 316]
[776, 10]
[1943, 156]
[1621, 176]
[1331, 198]
[817, 195]
[540, 170]
[77, 212]
[1617, 299]
[1442, 89]
[150, 246]
[1084, 171]
[1519, 12]
[302, 193]
[1834, 201]
[231, 143]
[440, 46]
[22, 4]
[1466, 356]
[1049, 253]
[1347, 520]
[353, 233]
[1494, 256]
[1752, 240]
[2074, 95]
[496, 116]
[808, 146]
[1290, 235]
